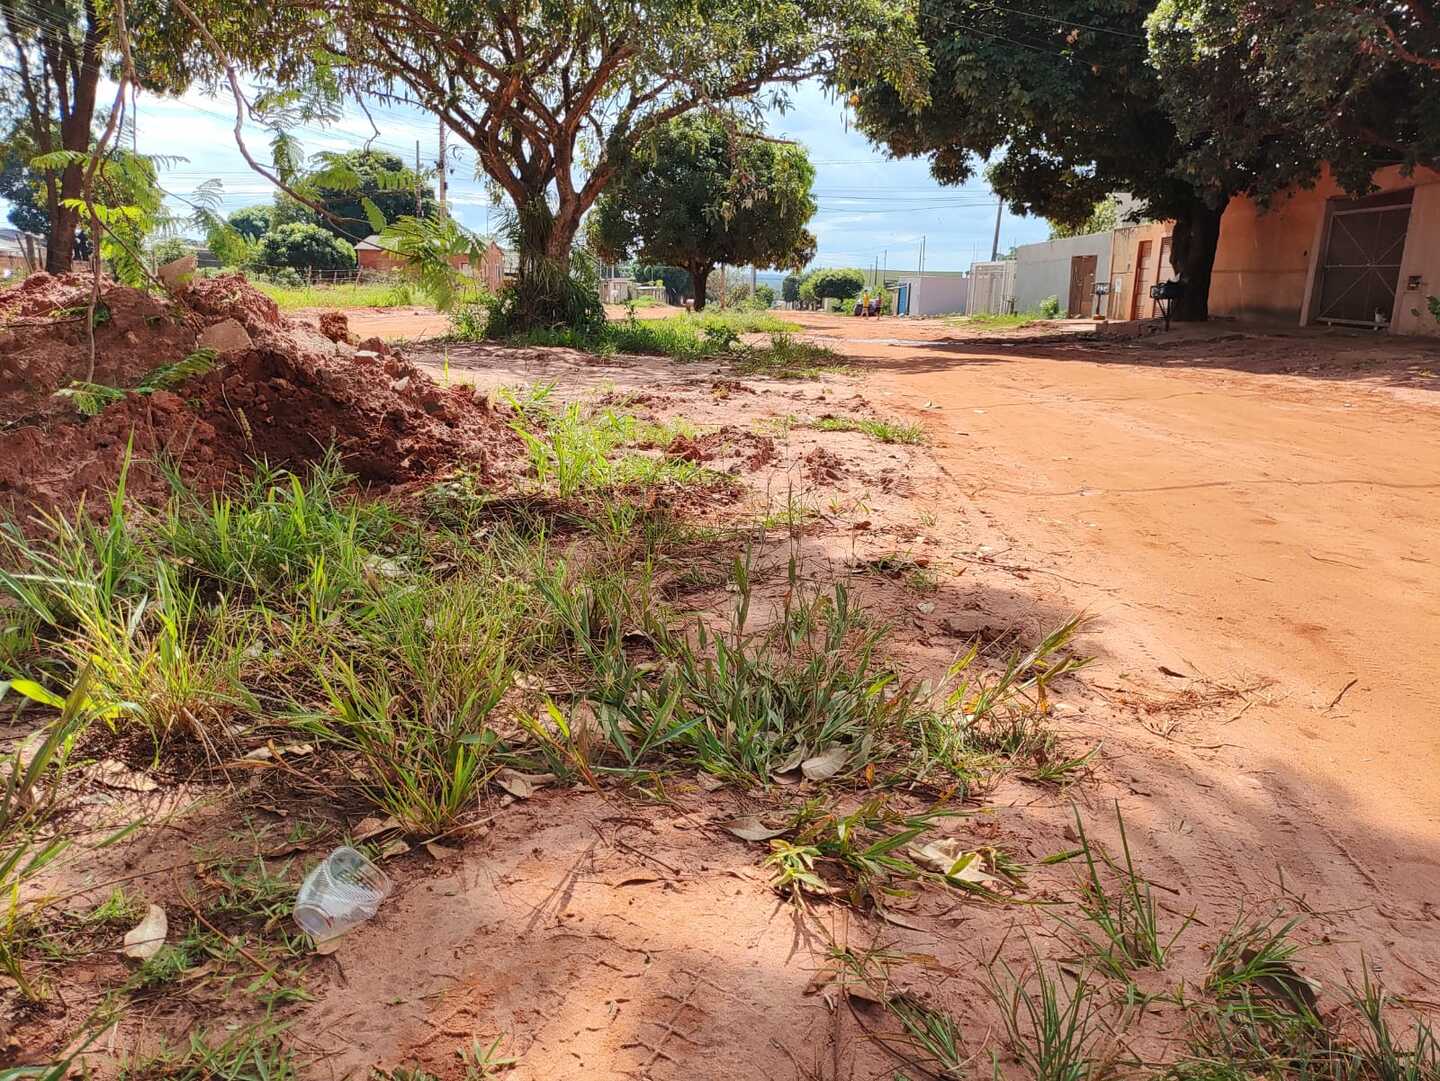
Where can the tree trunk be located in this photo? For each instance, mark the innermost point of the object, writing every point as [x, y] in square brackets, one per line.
[60, 243]
[699, 275]
[1192, 256]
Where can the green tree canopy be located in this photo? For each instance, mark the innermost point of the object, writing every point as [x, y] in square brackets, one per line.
[554, 97]
[343, 184]
[1066, 101]
[1103, 218]
[1274, 89]
[705, 192]
[835, 283]
[304, 246]
[675, 279]
[252, 222]
[790, 288]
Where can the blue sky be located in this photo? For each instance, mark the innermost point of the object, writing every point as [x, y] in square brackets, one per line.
[871, 208]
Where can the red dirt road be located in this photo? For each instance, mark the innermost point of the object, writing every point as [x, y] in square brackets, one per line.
[1239, 511]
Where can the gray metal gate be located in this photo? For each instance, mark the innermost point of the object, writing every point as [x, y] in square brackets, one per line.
[1360, 271]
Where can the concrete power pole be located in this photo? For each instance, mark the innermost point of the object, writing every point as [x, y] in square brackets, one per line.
[442, 169]
[417, 179]
[995, 244]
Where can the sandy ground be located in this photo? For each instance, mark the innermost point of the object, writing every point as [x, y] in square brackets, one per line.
[1247, 521]
[1255, 513]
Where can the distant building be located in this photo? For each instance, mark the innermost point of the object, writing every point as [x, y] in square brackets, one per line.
[20, 252]
[1315, 256]
[1067, 268]
[992, 288]
[931, 292]
[490, 269]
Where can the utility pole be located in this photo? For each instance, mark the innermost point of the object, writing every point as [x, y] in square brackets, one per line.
[418, 181]
[442, 169]
[753, 276]
[919, 280]
[995, 244]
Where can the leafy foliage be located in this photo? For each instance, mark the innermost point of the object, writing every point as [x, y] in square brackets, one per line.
[703, 192]
[364, 191]
[305, 247]
[835, 284]
[1103, 218]
[427, 247]
[554, 98]
[252, 222]
[1279, 88]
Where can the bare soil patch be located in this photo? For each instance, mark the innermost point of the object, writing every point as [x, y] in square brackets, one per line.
[623, 928]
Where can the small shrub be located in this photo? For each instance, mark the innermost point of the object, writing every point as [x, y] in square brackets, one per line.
[1049, 308]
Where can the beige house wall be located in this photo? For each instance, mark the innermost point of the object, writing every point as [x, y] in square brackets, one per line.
[1267, 260]
[1124, 252]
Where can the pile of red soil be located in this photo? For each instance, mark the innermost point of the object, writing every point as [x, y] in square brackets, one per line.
[286, 398]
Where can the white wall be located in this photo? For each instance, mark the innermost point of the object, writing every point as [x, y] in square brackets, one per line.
[938, 294]
[992, 288]
[1043, 270]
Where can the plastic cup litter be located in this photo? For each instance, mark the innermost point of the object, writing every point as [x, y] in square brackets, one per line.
[344, 889]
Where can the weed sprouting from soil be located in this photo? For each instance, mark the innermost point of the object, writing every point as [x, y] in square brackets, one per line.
[1121, 926]
[878, 429]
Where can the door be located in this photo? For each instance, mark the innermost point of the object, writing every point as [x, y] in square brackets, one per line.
[1360, 270]
[902, 299]
[1142, 279]
[1162, 272]
[1082, 284]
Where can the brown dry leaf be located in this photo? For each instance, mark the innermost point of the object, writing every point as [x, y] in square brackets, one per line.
[750, 828]
[373, 827]
[113, 774]
[396, 846]
[439, 851]
[709, 782]
[951, 859]
[288, 750]
[825, 764]
[145, 939]
[522, 785]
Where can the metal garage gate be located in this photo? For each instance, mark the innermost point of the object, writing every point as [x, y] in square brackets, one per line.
[1360, 270]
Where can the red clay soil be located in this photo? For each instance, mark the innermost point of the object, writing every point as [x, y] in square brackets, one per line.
[287, 399]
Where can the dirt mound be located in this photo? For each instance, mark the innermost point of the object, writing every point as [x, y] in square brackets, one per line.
[287, 398]
[44, 341]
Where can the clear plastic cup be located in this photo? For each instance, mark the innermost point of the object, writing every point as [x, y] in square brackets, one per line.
[344, 889]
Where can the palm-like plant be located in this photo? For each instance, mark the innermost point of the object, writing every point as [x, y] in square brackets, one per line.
[426, 246]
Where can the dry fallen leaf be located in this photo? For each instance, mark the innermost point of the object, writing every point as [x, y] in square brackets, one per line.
[288, 750]
[439, 851]
[373, 827]
[145, 939]
[750, 828]
[950, 858]
[709, 782]
[825, 764]
[522, 785]
[396, 846]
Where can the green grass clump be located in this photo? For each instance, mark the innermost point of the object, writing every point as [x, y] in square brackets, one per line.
[350, 295]
[995, 320]
[686, 337]
[882, 431]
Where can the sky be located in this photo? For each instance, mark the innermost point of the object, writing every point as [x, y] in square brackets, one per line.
[871, 208]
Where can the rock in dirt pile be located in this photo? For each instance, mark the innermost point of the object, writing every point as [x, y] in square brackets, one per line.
[275, 390]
